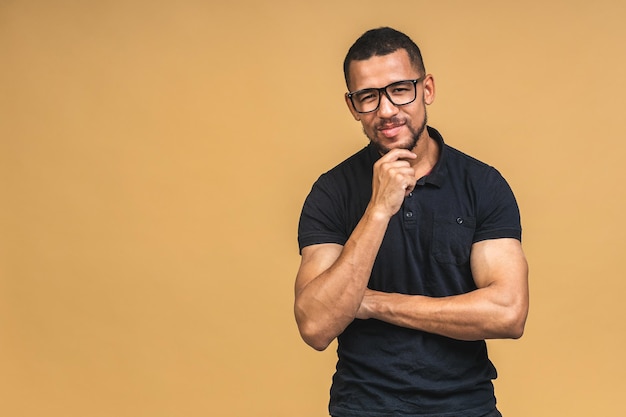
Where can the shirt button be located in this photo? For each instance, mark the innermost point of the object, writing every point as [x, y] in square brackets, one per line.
[411, 194]
[459, 220]
[409, 214]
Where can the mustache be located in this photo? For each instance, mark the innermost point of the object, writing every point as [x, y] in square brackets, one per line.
[390, 123]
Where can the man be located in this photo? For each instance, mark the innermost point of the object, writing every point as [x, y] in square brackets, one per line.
[411, 253]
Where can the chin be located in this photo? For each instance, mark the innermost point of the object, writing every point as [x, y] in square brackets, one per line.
[407, 144]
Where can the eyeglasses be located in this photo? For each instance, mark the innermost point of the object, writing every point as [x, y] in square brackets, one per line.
[398, 93]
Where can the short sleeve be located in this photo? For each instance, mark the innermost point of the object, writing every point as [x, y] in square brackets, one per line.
[499, 215]
[321, 217]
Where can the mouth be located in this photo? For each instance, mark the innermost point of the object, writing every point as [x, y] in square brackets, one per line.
[390, 131]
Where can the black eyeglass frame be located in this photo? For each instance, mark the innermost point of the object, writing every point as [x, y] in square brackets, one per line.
[383, 90]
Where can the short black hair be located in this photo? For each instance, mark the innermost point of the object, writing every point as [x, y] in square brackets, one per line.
[379, 42]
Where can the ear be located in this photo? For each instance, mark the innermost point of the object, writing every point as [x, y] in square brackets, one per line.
[355, 114]
[429, 89]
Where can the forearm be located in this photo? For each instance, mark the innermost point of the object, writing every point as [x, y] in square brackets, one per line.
[496, 309]
[480, 314]
[326, 304]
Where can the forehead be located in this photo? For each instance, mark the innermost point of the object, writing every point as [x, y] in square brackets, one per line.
[379, 71]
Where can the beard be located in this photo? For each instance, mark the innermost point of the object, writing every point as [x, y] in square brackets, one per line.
[415, 135]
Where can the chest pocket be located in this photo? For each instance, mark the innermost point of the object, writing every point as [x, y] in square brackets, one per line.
[452, 238]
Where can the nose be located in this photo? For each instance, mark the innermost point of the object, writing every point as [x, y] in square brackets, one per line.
[386, 108]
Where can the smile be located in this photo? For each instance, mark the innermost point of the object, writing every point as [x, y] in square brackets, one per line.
[390, 131]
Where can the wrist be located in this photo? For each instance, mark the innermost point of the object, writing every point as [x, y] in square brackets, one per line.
[377, 214]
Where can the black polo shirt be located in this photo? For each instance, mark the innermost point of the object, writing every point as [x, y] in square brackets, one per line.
[386, 370]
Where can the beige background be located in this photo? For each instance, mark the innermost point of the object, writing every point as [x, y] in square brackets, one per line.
[154, 157]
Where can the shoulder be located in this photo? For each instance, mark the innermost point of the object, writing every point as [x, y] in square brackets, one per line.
[455, 165]
[456, 157]
[336, 202]
[463, 166]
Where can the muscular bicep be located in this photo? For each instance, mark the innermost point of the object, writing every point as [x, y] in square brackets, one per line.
[500, 264]
[315, 260]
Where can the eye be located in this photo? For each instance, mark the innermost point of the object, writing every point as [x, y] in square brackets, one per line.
[366, 96]
[401, 88]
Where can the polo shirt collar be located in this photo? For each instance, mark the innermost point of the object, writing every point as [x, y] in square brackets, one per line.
[440, 170]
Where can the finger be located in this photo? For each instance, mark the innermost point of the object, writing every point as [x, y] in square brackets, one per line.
[398, 154]
[409, 189]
